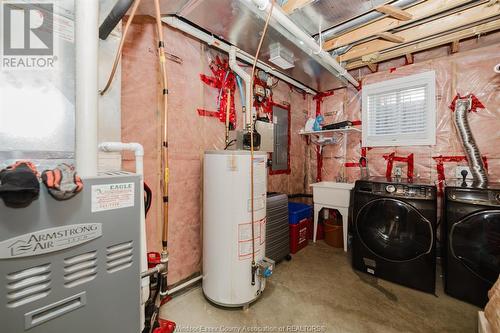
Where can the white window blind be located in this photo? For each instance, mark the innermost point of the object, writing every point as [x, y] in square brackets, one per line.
[400, 112]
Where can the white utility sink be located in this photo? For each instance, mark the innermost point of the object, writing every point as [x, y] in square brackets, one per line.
[335, 196]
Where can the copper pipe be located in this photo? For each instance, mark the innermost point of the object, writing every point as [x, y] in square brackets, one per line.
[120, 47]
[228, 110]
[252, 77]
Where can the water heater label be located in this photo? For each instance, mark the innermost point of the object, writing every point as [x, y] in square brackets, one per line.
[49, 240]
[112, 196]
[245, 238]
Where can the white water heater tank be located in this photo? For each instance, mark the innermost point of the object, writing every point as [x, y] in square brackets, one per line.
[227, 226]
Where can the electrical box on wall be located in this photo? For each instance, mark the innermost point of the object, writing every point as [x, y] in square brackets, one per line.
[266, 131]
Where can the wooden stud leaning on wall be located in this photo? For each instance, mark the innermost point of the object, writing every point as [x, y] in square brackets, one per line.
[164, 157]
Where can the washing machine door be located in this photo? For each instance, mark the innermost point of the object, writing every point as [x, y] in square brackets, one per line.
[394, 230]
[475, 242]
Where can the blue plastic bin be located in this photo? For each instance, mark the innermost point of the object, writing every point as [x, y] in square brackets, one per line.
[298, 211]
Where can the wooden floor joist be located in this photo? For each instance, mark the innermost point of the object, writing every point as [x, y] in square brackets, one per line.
[292, 5]
[409, 58]
[394, 12]
[450, 22]
[391, 37]
[419, 11]
[426, 44]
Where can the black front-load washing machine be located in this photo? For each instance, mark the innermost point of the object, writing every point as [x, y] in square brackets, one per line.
[394, 228]
[472, 236]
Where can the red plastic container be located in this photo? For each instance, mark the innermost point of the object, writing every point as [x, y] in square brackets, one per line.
[320, 233]
[298, 235]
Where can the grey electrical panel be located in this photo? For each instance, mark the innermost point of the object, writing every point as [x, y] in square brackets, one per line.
[281, 132]
[73, 265]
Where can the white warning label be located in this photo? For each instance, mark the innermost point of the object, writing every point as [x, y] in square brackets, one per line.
[112, 196]
[245, 238]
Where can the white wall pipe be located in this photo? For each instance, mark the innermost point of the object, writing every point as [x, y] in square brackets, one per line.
[86, 119]
[242, 55]
[184, 285]
[248, 88]
[308, 41]
[139, 169]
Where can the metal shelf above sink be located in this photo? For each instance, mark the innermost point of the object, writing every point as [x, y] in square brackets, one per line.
[340, 130]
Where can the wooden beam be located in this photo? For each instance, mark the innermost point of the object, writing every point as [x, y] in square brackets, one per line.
[455, 45]
[427, 44]
[420, 11]
[453, 21]
[292, 5]
[373, 67]
[391, 37]
[409, 58]
[394, 12]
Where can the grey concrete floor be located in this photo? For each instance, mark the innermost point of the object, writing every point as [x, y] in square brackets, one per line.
[319, 287]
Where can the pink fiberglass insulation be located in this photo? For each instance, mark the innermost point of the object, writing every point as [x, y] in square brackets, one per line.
[463, 73]
[189, 134]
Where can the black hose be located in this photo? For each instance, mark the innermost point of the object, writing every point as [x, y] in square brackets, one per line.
[115, 15]
[148, 196]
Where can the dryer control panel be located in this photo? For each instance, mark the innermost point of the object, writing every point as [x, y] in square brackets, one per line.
[485, 197]
[402, 190]
[405, 190]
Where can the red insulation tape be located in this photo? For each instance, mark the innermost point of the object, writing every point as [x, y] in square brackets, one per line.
[476, 103]
[440, 160]
[223, 79]
[390, 158]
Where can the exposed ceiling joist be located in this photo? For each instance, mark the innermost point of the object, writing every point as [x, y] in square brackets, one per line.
[446, 23]
[394, 12]
[391, 37]
[373, 67]
[420, 11]
[455, 46]
[426, 44]
[409, 58]
[292, 5]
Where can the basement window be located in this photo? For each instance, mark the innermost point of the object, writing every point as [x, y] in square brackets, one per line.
[400, 112]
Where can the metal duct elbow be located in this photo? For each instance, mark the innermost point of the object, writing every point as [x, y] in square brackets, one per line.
[119, 10]
[474, 156]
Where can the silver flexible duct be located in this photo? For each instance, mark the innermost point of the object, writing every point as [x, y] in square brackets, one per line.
[474, 157]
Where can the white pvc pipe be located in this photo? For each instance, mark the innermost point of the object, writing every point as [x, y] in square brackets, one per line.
[242, 55]
[248, 81]
[184, 285]
[139, 169]
[86, 119]
[308, 41]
